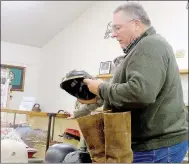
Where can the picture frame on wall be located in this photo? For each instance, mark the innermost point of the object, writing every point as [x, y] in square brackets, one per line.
[105, 67]
[17, 76]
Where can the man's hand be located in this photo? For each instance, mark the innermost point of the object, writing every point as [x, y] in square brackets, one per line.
[93, 85]
[93, 101]
[71, 117]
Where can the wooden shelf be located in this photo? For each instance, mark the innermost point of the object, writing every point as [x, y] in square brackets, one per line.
[182, 71]
[42, 114]
[105, 76]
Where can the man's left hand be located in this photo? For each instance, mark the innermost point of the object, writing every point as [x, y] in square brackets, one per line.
[93, 85]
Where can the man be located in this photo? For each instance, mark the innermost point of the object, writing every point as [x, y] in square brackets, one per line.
[148, 84]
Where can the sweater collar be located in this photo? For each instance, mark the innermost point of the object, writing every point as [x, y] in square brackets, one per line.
[148, 32]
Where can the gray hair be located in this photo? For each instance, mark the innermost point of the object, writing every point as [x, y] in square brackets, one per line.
[135, 11]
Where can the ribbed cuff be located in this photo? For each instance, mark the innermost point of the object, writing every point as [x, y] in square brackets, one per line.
[80, 113]
[101, 90]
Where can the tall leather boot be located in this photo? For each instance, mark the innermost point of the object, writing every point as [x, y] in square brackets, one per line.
[92, 128]
[117, 131]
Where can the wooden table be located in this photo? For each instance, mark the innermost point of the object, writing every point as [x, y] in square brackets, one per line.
[41, 114]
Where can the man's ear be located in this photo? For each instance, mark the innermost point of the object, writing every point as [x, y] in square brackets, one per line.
[137, 24]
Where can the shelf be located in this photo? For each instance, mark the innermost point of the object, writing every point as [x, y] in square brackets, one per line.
[34, 160]
[182, 71]
[42, 114]
[105, 76]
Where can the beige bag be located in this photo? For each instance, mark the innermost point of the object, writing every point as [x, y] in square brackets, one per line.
[108, 137]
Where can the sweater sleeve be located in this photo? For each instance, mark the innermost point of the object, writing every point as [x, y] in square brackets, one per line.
[86, 109]
[146, 73]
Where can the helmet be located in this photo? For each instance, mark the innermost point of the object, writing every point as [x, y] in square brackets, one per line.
[74, 85]
[13, 151]
[77, 157]
[57, 152]
[71, 133]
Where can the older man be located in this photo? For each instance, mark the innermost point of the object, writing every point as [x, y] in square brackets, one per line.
[148, 84]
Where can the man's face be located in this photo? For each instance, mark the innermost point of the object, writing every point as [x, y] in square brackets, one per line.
[124, 30]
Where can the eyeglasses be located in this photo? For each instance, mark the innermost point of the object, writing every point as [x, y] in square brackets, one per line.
[116, 28]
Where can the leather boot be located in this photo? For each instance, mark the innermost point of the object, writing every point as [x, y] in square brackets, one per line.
[117, 131]
[92, 128]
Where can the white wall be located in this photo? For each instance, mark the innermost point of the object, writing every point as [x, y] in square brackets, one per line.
[170, 18]
[28, 57]
[82, 45]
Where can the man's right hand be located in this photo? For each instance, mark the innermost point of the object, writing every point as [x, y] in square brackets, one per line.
[71, 117]
[93, 101]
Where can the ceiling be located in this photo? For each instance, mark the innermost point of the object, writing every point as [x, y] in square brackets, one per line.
[35, 23]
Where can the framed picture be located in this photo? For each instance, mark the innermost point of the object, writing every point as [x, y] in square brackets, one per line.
[105, 67]
[17, 76]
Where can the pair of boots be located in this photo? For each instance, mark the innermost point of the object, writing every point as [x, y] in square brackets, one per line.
[108, 137]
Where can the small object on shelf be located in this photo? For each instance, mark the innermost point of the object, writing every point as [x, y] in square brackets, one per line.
[180, 53]
[36, 108]
[105, 67]
[64, 112]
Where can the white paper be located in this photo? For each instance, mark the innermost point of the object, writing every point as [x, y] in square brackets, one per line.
[27, 103]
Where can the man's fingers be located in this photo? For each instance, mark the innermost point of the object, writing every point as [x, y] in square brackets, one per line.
[93, 101]
[71, 117]
[87, 81]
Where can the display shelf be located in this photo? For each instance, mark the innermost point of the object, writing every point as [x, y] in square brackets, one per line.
[105, 76]
[184, 71]
[50, 119]
[42, 114]
[35, 160]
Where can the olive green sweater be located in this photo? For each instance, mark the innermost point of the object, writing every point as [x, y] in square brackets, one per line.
[148, 84]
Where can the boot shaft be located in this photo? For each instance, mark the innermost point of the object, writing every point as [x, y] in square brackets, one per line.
[92, 128]
[117, 131]
[108, 137]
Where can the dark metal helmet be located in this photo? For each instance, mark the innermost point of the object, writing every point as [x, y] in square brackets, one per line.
[77, 157]
[74, 85]
[57, 152]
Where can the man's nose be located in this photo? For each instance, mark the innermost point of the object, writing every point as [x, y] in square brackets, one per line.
[114, 34]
